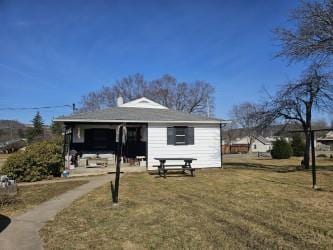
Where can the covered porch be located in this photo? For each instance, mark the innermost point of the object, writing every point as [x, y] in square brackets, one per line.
[91, 147]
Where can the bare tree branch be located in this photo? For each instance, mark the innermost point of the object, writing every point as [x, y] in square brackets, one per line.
[197, 97]
[313, 35]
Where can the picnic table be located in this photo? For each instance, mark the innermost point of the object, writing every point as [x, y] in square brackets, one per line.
[163, 167]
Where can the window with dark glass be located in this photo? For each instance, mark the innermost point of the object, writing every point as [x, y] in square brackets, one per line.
[132, 135]
[180, 135]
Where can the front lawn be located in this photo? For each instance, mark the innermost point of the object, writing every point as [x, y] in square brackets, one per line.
[32, 195]
[229, 209]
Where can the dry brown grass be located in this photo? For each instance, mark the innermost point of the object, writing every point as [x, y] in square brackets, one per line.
[32, 195]
[217, 209]
[263, 163]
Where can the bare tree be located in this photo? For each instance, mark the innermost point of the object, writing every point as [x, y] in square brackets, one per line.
[163, 90]
[246, 116]
[96, 100]
[230, 132]
[200, 98]
[311, 40]
[194, 97]
[129, 88]
[312, 36]
[297, 100]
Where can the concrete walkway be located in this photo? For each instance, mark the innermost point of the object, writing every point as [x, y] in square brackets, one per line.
[23, 231]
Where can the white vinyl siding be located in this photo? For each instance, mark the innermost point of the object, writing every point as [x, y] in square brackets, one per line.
[259, 147]
[206, 148]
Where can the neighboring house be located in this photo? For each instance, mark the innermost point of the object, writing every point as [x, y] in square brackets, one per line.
[261, 145]
[325, 143]
[152, 131]
[243, 145]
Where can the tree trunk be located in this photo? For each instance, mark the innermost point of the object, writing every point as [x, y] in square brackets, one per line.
[307, 150]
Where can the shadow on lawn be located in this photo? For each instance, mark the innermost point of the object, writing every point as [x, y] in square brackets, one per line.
[272, 168]
[4, 222]
[262, 167]
[171, 174]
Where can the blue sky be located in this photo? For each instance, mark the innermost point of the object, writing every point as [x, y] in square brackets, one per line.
[53, 52]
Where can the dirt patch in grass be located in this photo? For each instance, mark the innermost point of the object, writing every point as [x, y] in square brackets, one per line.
[229, 209]
[32, 195]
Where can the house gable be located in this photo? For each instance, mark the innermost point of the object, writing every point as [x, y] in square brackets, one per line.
[143, 102]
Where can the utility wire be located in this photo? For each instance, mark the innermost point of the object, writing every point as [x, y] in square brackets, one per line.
[37, 108]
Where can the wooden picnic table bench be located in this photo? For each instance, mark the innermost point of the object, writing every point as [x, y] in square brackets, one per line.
[163, 167]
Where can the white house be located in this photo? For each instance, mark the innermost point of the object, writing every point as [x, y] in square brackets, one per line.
[258, 144]
[152, 131]
[325, 143]
[261, 145]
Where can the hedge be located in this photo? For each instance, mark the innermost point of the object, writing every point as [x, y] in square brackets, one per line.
[281, 150]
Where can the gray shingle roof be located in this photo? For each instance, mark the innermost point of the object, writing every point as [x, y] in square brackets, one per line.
[263, 140]
[122, 114]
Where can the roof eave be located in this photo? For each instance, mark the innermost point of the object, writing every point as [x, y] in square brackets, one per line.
[137, 121]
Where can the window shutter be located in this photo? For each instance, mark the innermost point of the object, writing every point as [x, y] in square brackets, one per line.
[171, 136]
[190, 136]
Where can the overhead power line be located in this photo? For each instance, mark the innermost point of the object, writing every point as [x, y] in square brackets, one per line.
[38, 108]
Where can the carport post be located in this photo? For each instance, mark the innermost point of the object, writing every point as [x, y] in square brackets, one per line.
[313, 153]
[119, 153]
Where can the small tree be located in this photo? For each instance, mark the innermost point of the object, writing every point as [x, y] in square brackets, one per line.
[281, 149]
[37, 131]
[298, 145]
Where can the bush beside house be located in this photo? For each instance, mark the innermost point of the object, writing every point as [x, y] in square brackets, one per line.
[281, 150]
[39, 161]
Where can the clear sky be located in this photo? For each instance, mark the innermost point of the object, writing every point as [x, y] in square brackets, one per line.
[53, 52]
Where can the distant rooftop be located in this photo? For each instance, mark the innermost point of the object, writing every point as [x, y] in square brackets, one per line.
[263, 140]
[328, 137]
